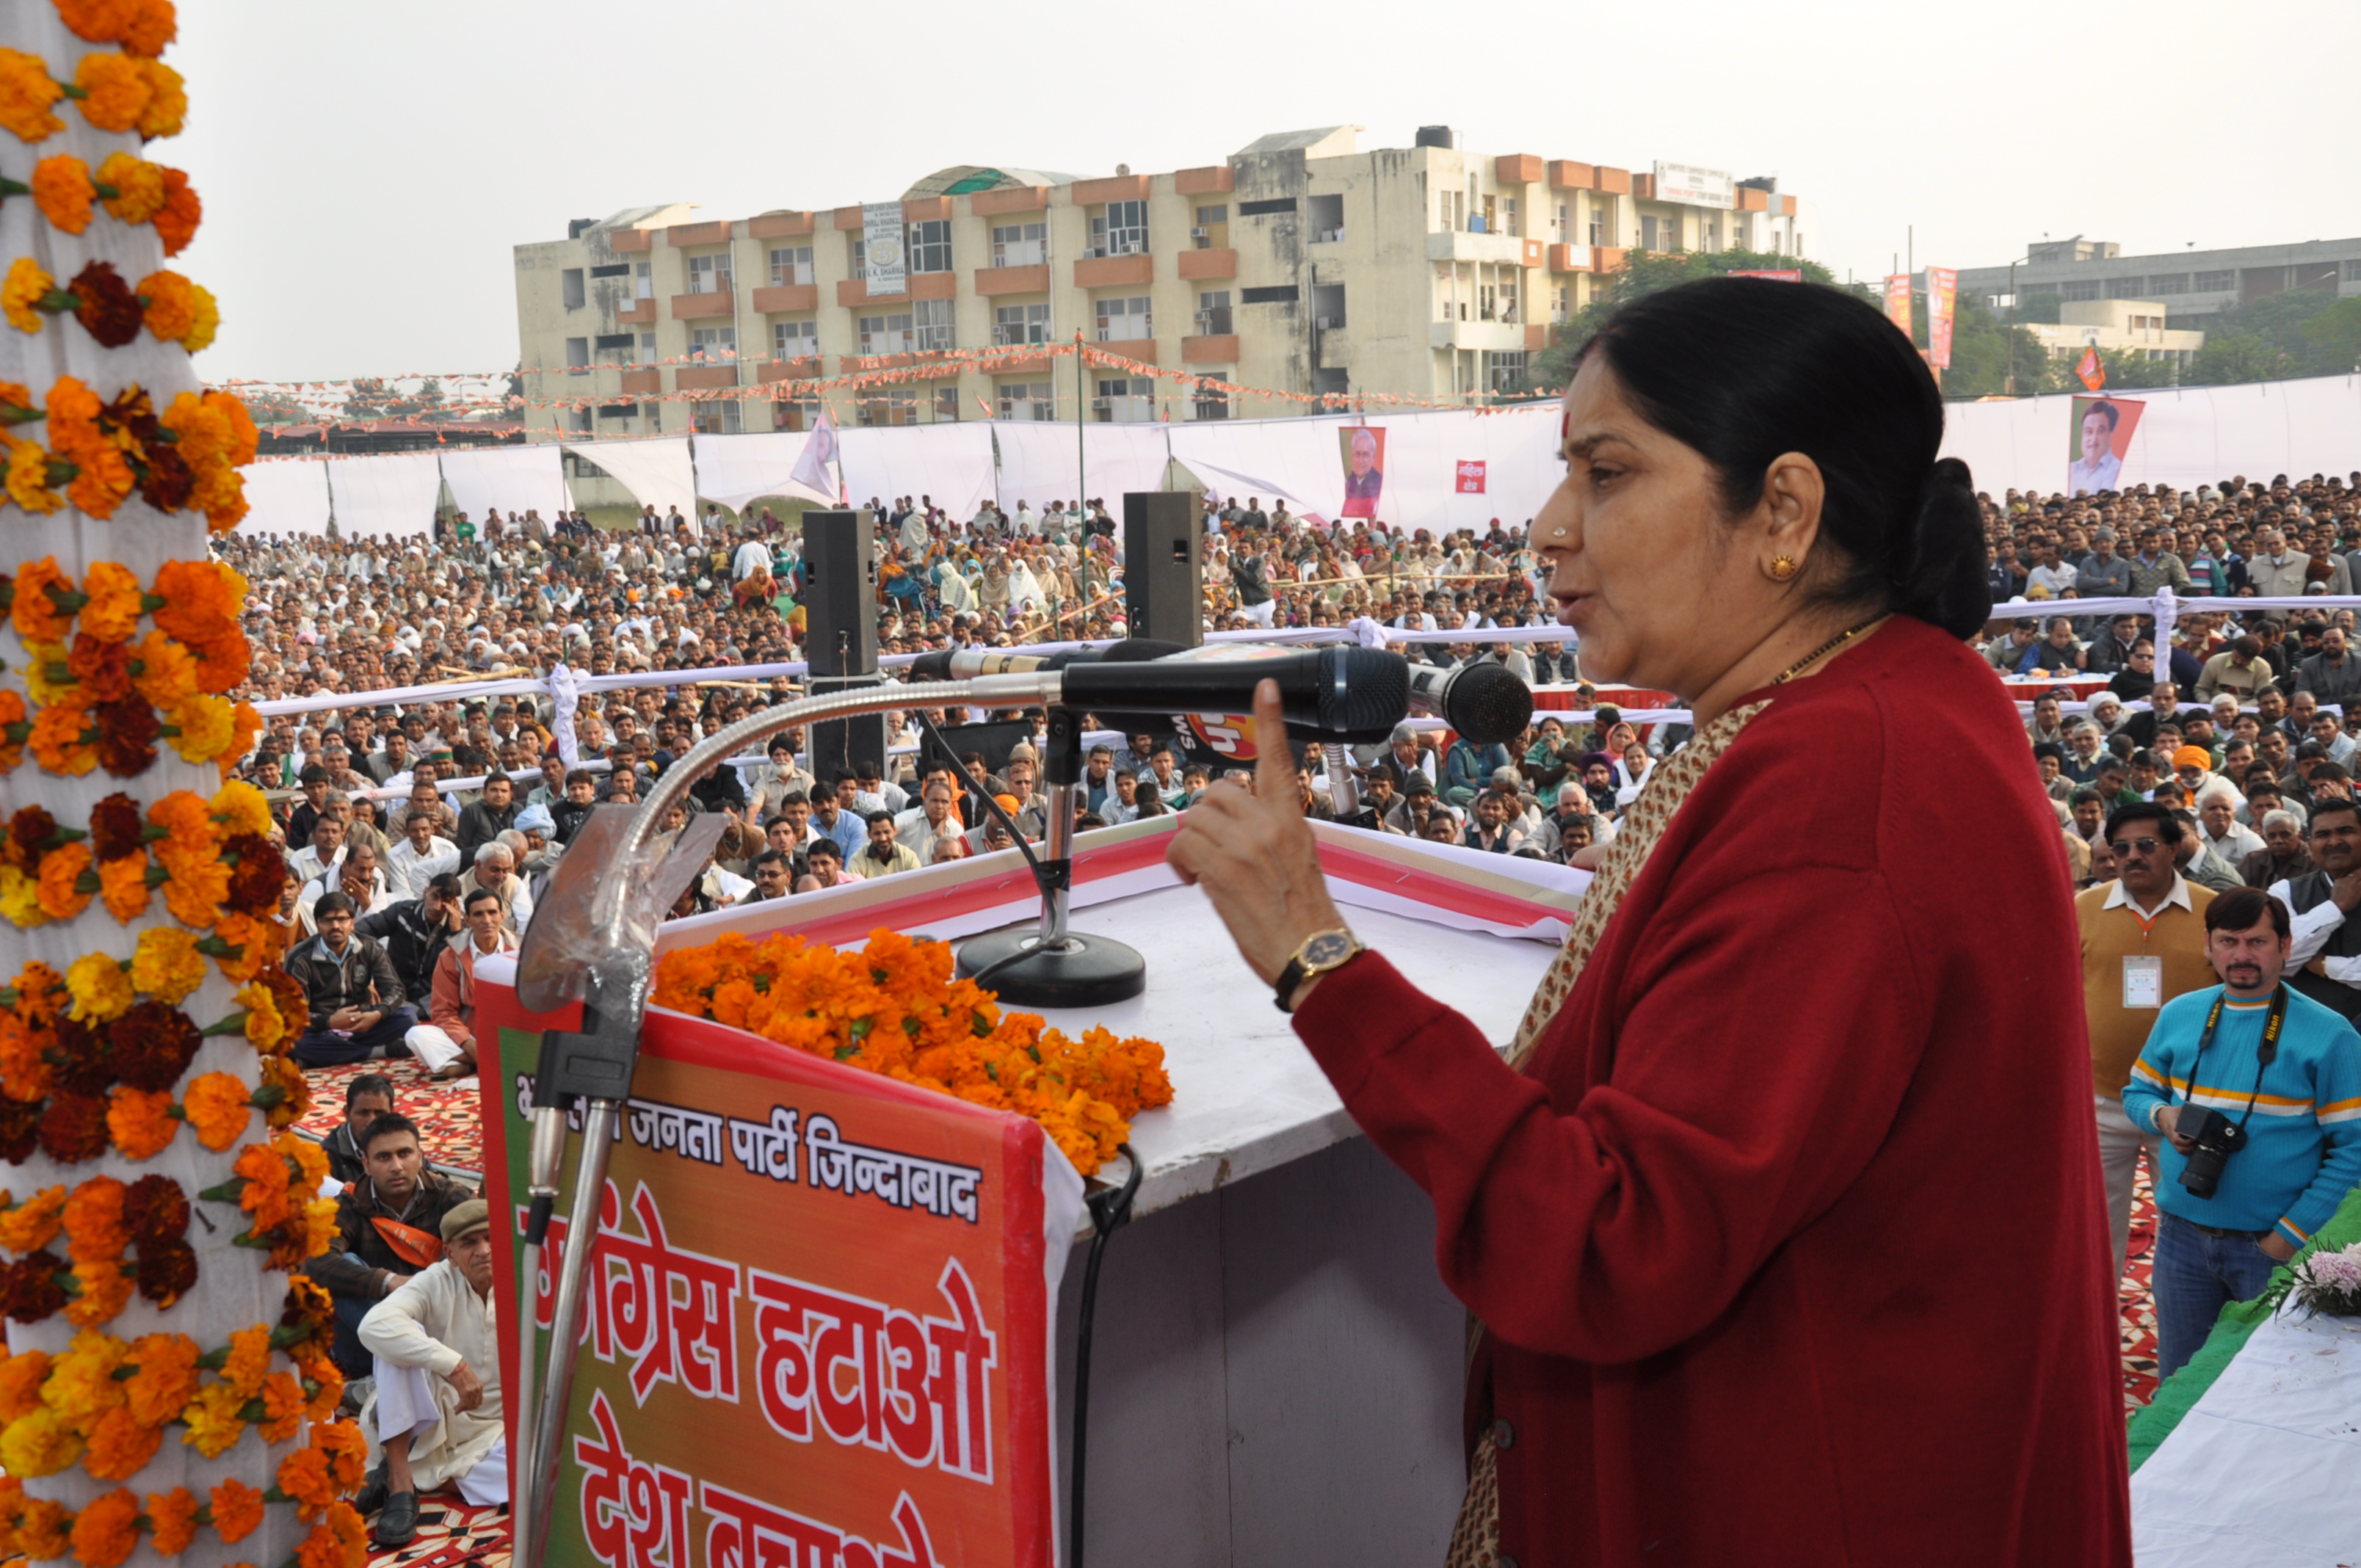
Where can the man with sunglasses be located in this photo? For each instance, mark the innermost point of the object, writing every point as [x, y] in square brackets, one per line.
[2143, 944]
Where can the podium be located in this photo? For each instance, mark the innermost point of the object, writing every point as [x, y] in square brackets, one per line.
[1276, 1375]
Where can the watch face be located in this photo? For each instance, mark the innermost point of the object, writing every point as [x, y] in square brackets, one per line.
[1327, 948]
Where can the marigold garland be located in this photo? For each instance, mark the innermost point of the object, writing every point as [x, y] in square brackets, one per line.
[186, 458]
[894, 1008]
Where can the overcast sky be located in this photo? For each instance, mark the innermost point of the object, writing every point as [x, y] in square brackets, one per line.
[366, 168]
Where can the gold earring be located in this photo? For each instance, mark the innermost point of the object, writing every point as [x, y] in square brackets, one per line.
[1783, 567]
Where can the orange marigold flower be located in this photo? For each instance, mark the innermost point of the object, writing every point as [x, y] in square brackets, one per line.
[339, 1540]
[173, 1517]
[29, 476]
[282, 1074]
[221, 666]
[61, 189]
[27, 93]
[99, 21]
[149, 25]
[103, 479]
[34, 612]
[167, 672]
[41, 1528]
[114, 91]
[119, 1446]
[347, 1452]
[265, 1195]
[166, 1377]
[202, 599]
[105, 1292]
[167, 101]
[114, 610]
[140, 1125]
[106, 1530]
[195, 896]
[22, 293]
[251, 943]
[282, 1407]
[304, 1479]
[65, 739]
[94, 1221]
[138, 187]
[123, 887]
[20, 1384]
[33, 1224]
[216, 1107]
[237, 1509]
[176, 224]
[25, 1072]
[244, 439]
[249, 1360]
[61, 871]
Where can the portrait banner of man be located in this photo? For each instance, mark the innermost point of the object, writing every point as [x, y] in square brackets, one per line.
[2102, 435]
[1363, 449]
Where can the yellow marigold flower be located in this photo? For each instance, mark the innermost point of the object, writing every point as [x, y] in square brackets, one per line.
[22, 292]
[167, 101]
[106, 1530]
[20, 1384]
[26, 94]
[123, 887]
[240, 808]
[105, 1292]
[116, 90]
[114, 610]
[216, 1107]
[213, 1422]
[29, 476]
[61, 189]
[206, 726]
[101, 991]
[38, 1444]
[46, 680]
[139, 186]
[205, 322]
[33, 1224]
[167, 672]
[20, 899]
[166, 964]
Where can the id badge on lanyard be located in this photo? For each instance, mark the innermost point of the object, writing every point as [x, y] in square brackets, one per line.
[2143, 981]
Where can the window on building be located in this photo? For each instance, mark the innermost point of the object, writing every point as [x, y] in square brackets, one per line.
[1020, 324]
[2353, 272]
[794, 340]
[717, 416]
[1275, 294]
[1508, 301]
[931, 245]
[1509, 215]
[790, 264]
[1020, 244]
[713, 343]
[577, 356]
[860, 255]
[947, 404]
[1212, 226]
[613, 269]
[617, 410]
[1213, 313]
[1124, 320]
[2222, 282]
[1561, 303]
[1028, 400]
[2164, 283]
[1558, 230]
[1663, 234]
[2127, 288]
[2080, 288]
[932, 319]
[1598, 225]
[1505, 373]
[1328, 306]
[887, 334]
[796, 414]
[647, 348]
[1327, 217]
[1210, 401]
[578, 421]
[889, 405]
[1125, 400]
[709, 275]
[1332, 381]
[1270, 209]
[643, 281]
[615, 348]
[1120, 230]
[569, 284]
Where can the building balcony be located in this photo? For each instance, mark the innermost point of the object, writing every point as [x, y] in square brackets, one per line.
[1572, 259]
[856, 291]
[683, 234]
[696, 307]
[780, 297]
[1015, 365]
[803, 370]
[643, 379]
[1208, 263]
[704, 378]
[1114, 188]
[1517, 169]
[1142, 349]
[1497, 337]
[1564, 175]
[778, 225]
[628, 241]
[993, 280]
[1221, 349]
[1015, 199]
[1457, 245]
[934, 285]
[1212, 179]
[1536, 336]
[1608, 258]
[638, 312]
[1114, 272]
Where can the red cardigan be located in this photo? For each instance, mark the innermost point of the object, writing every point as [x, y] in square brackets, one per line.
[1791, 1240]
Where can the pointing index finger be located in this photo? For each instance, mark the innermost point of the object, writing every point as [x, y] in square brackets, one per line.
[1273, 763]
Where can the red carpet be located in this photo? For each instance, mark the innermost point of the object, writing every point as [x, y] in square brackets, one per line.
[2138, 1305]
[450, 1127]
[450, 1534]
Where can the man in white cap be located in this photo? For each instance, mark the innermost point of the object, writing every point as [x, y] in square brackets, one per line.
[436, 1412]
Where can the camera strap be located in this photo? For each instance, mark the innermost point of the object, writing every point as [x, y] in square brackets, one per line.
[2266, 1051]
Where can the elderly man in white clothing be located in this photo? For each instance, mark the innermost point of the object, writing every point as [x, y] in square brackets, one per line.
[436, 1412]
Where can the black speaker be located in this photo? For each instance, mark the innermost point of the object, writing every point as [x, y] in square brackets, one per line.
[1164, 566]
[841, 635]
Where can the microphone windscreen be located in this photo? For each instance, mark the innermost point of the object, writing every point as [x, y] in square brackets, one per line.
[1138, 650]
[1487, 703]
[1376, 694]
[934, 665]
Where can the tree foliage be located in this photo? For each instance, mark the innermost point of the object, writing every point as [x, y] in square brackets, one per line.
[1644, 273]
[370, 398]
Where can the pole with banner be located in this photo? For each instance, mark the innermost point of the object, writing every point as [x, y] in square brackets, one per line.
[1942, 302]
[1897, 302]
[2091, 370]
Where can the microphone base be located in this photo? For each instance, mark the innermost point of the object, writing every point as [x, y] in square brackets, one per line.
[1075, 970]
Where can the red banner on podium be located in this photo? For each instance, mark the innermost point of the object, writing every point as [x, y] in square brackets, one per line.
[816, 1324]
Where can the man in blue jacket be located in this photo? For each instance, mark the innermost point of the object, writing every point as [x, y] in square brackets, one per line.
[2266, 1072]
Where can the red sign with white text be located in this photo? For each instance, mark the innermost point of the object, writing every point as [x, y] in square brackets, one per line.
[817, 1317]
[1471, 478]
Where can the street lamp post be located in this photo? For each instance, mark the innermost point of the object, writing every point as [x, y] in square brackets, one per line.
[2013, 316]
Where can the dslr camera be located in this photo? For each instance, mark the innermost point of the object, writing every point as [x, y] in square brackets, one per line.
[2217, 1139]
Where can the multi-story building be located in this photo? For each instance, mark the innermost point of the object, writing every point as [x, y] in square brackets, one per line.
[2189, 284]
[2136, 326]
[1300, 266]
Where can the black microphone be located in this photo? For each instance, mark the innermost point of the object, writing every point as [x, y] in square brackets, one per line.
[1485, 702]
[1352, 692]
[967, 663]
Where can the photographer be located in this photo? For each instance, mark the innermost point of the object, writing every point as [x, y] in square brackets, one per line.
[2257, 1089]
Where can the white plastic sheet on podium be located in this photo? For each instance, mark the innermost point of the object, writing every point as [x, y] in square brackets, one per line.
[1038, 462]
[656, 472]
[393, 493]
[736, 469]
[285, 497]
[512, 479]
[952, 463]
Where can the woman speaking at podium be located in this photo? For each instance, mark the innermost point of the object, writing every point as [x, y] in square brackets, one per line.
[1781, 1221]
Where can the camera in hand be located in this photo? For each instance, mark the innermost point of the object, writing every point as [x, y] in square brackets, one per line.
[2217, 1139]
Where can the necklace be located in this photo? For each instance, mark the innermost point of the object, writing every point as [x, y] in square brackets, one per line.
[1824, 649]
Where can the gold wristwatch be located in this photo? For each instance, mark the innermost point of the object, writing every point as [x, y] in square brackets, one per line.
[1321, 951]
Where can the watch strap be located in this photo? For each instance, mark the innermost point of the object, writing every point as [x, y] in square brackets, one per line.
[1291, 975]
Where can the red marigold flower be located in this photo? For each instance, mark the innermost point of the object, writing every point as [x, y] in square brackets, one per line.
[103, 669]
[29, 832]
[73, 1128]
[154, 1044]
[126, 737]
[167, 1269]
[86, 1064]
[155, 1210]
[115, 827]
[105, 305]
[20, 1125]
[255, 881]
[29, 1290]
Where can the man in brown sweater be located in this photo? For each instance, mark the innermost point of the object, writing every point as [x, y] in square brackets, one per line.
[2143, 944]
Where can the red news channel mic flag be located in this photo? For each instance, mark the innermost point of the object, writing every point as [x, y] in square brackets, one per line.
[1942, 303]
[1897, 302]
